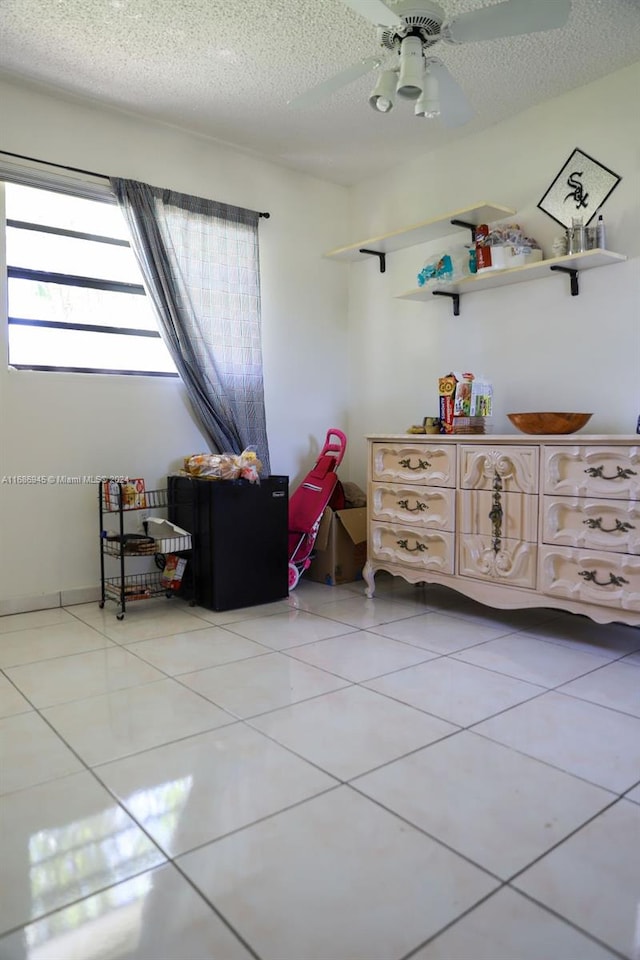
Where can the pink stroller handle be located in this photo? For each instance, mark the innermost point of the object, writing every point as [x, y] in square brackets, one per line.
[335, 448]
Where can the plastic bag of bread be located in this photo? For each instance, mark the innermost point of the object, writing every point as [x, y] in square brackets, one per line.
[224, 466]
[216, 466]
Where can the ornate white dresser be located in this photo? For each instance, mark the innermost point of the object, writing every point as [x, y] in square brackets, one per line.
[511, 521]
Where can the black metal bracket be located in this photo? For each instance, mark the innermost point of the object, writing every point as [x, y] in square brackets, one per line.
[454, 296]
[575, 290]
[469, 226]
[377, 253]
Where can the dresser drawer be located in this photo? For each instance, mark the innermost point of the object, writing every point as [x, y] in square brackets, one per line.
[411, 547]
[432, 507]
[513, 564]
[607, 472]
[515, 469]
[606, 579]
[519, 518]
[415, 463]
[612, 525]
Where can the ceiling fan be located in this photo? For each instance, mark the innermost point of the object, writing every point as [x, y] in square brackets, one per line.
[406, 32]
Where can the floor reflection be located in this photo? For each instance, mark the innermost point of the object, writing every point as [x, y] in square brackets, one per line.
[74, 856]
[103, 926]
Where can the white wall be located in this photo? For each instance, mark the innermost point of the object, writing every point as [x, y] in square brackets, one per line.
[74, 425]
[542, 348]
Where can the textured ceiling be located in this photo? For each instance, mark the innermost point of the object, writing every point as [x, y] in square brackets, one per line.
[227, 70]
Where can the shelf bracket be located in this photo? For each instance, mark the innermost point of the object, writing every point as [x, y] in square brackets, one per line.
[469, 226]
[377, 253]
[575, 290]
[454, 296]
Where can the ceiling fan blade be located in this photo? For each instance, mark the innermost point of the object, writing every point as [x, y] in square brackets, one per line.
[327, 87]
[455, 109]
[509, 19]
[375, 11]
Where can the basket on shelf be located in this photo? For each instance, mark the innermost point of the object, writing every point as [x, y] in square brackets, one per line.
[471, 425]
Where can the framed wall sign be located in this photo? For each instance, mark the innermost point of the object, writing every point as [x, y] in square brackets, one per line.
[581, 187]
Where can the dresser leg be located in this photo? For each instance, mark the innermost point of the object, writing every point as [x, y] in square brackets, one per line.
[368, 575]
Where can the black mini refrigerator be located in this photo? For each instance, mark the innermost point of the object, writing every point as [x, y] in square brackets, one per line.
[240, 538]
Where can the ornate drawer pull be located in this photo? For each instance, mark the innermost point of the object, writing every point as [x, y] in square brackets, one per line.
[422, 464]
[621, 474]
[404, 545]
[620, 527]
[591, 576]
[496, 514]
[419, 507]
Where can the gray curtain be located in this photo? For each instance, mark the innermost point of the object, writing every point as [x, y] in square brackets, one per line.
[199, 259]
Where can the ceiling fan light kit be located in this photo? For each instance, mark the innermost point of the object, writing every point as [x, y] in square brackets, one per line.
[411, 68]
[408, 29]
[428, 104]
[384, 93]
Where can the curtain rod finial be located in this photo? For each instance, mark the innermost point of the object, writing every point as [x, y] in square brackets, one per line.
[265, 215]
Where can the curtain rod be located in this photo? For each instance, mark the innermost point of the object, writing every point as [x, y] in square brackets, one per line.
[89, 173]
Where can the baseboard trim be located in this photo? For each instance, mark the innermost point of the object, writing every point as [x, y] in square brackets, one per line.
[41, 601]
[79, 595]
[48, 601]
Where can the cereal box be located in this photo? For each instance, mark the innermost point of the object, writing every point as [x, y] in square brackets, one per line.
[447, 392]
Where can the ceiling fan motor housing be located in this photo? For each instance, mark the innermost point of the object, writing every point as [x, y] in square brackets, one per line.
[422, 19]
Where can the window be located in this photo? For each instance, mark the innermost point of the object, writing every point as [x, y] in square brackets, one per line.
[75, 293]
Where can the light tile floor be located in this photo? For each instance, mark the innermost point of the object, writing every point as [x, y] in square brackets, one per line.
[322, 778]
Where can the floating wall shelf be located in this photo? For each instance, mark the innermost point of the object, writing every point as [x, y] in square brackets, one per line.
[423, 232]
[572, 264]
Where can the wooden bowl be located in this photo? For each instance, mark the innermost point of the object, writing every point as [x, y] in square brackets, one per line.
[541, 423]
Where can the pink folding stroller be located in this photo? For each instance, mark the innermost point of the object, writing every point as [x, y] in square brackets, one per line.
[308, 502]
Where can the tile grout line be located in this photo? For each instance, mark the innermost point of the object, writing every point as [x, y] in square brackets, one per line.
[537, 683]
[286, 652]
[430, 836]
[167, 859]
[614, 802]
[264, 713]
[547, 763]
[595, 703]
[252, 823]
[523, 632]
[571, 923]
[49, 913]
[172, 859]
[218, 913]
[246, 719]
[503, 883]
[338, 781]
[88, 767]
[235, 719]
[546, 909]
[377, 676]
[453, 923]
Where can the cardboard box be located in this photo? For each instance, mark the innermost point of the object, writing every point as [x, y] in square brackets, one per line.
[341, 547]
[169, 538]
